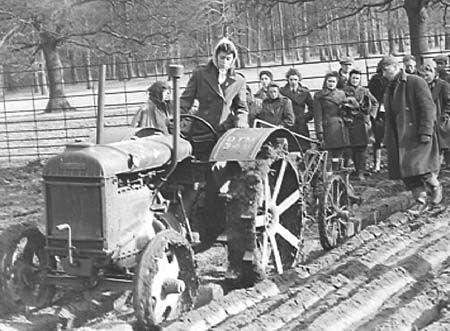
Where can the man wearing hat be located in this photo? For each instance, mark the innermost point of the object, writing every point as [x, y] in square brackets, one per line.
[410, 137]
[441, 64]
[346, 66]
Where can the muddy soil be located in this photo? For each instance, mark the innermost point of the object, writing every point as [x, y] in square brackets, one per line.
[22, 199]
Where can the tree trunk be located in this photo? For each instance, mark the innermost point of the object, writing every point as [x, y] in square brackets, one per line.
[306, 55]
[130, 69]
[248, 37]
[272, 38]
[73, 67]
[447, 36]
[364, 45]
[417, 22]
[87, 69]
[282, 37]
[379, 21]
[258, 39]
[57, 98]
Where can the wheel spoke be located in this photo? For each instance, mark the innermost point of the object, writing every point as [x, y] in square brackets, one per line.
[287, 235]
[267, 193]
[276, 254]
[265, 250]
[288, 202]
[278, 182]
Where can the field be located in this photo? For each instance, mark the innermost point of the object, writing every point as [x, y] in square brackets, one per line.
[393, 275]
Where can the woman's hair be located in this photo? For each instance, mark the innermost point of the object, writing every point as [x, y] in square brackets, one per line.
[328, 75]
[293, 72]
[267, 73]
[354, 71]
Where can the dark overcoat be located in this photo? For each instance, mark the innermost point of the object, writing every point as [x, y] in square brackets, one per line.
[358, 129]
[328, 120]
[277, 112]
[218, 104]
[410, 112]
[300, 98]
[440, 90]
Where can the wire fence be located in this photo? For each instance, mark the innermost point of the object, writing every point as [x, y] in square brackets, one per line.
[28, 132]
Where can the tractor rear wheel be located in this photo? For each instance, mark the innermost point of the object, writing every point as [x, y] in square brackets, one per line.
[23, 265]
[165, 281]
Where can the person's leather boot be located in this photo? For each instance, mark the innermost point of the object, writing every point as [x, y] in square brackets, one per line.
[436, 194]
[420, 206]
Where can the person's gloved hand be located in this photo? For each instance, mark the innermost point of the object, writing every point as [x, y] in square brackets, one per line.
[320, 136]
[424, 139]
[241, 121]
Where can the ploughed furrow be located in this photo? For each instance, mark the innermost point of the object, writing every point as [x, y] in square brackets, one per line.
[301, 296]
[414, 310]
[367, 301]
[361, 272]
[333, 284]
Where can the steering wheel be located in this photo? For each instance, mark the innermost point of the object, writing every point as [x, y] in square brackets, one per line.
[202, 143]
[186, 123]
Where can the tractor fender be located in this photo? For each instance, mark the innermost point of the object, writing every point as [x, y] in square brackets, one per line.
[244, 144]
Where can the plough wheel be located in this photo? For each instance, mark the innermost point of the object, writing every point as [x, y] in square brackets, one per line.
[280, 217]
[165, 281]
[333, 212]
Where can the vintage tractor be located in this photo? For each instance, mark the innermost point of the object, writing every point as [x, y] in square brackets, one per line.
[125, 212]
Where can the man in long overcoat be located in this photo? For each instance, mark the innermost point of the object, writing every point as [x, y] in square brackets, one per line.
[410, 136]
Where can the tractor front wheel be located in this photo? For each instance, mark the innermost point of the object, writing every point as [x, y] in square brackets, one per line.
[23, 265]
[165, 280]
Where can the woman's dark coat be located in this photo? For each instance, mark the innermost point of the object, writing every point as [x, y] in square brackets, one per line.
[440, 90]
[300, 98]
[328, 120]
[277, 112]
[410, 112]
[366, 108]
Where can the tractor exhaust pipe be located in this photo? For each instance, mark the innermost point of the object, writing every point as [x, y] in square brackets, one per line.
[175, 73]
[101, 104]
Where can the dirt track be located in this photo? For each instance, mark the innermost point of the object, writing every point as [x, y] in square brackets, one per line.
[394, 275]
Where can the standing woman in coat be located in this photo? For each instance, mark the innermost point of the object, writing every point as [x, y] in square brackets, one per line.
[329, 124]
[301, 99]
[361, 108]
[410, 136]
[277, 109]
[440, 91]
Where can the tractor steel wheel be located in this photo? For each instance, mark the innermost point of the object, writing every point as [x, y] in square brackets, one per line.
[333, 212]
[23, 265]
[165, 281]
[280, 216]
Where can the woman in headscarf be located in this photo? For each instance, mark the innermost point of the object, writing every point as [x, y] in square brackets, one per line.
[220, 90]
[156, 112]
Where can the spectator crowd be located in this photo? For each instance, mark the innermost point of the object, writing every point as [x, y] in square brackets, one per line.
[404, 110]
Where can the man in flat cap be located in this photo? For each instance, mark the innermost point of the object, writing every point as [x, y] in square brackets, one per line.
[346, 66]
[441, 65]
[410, 137]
